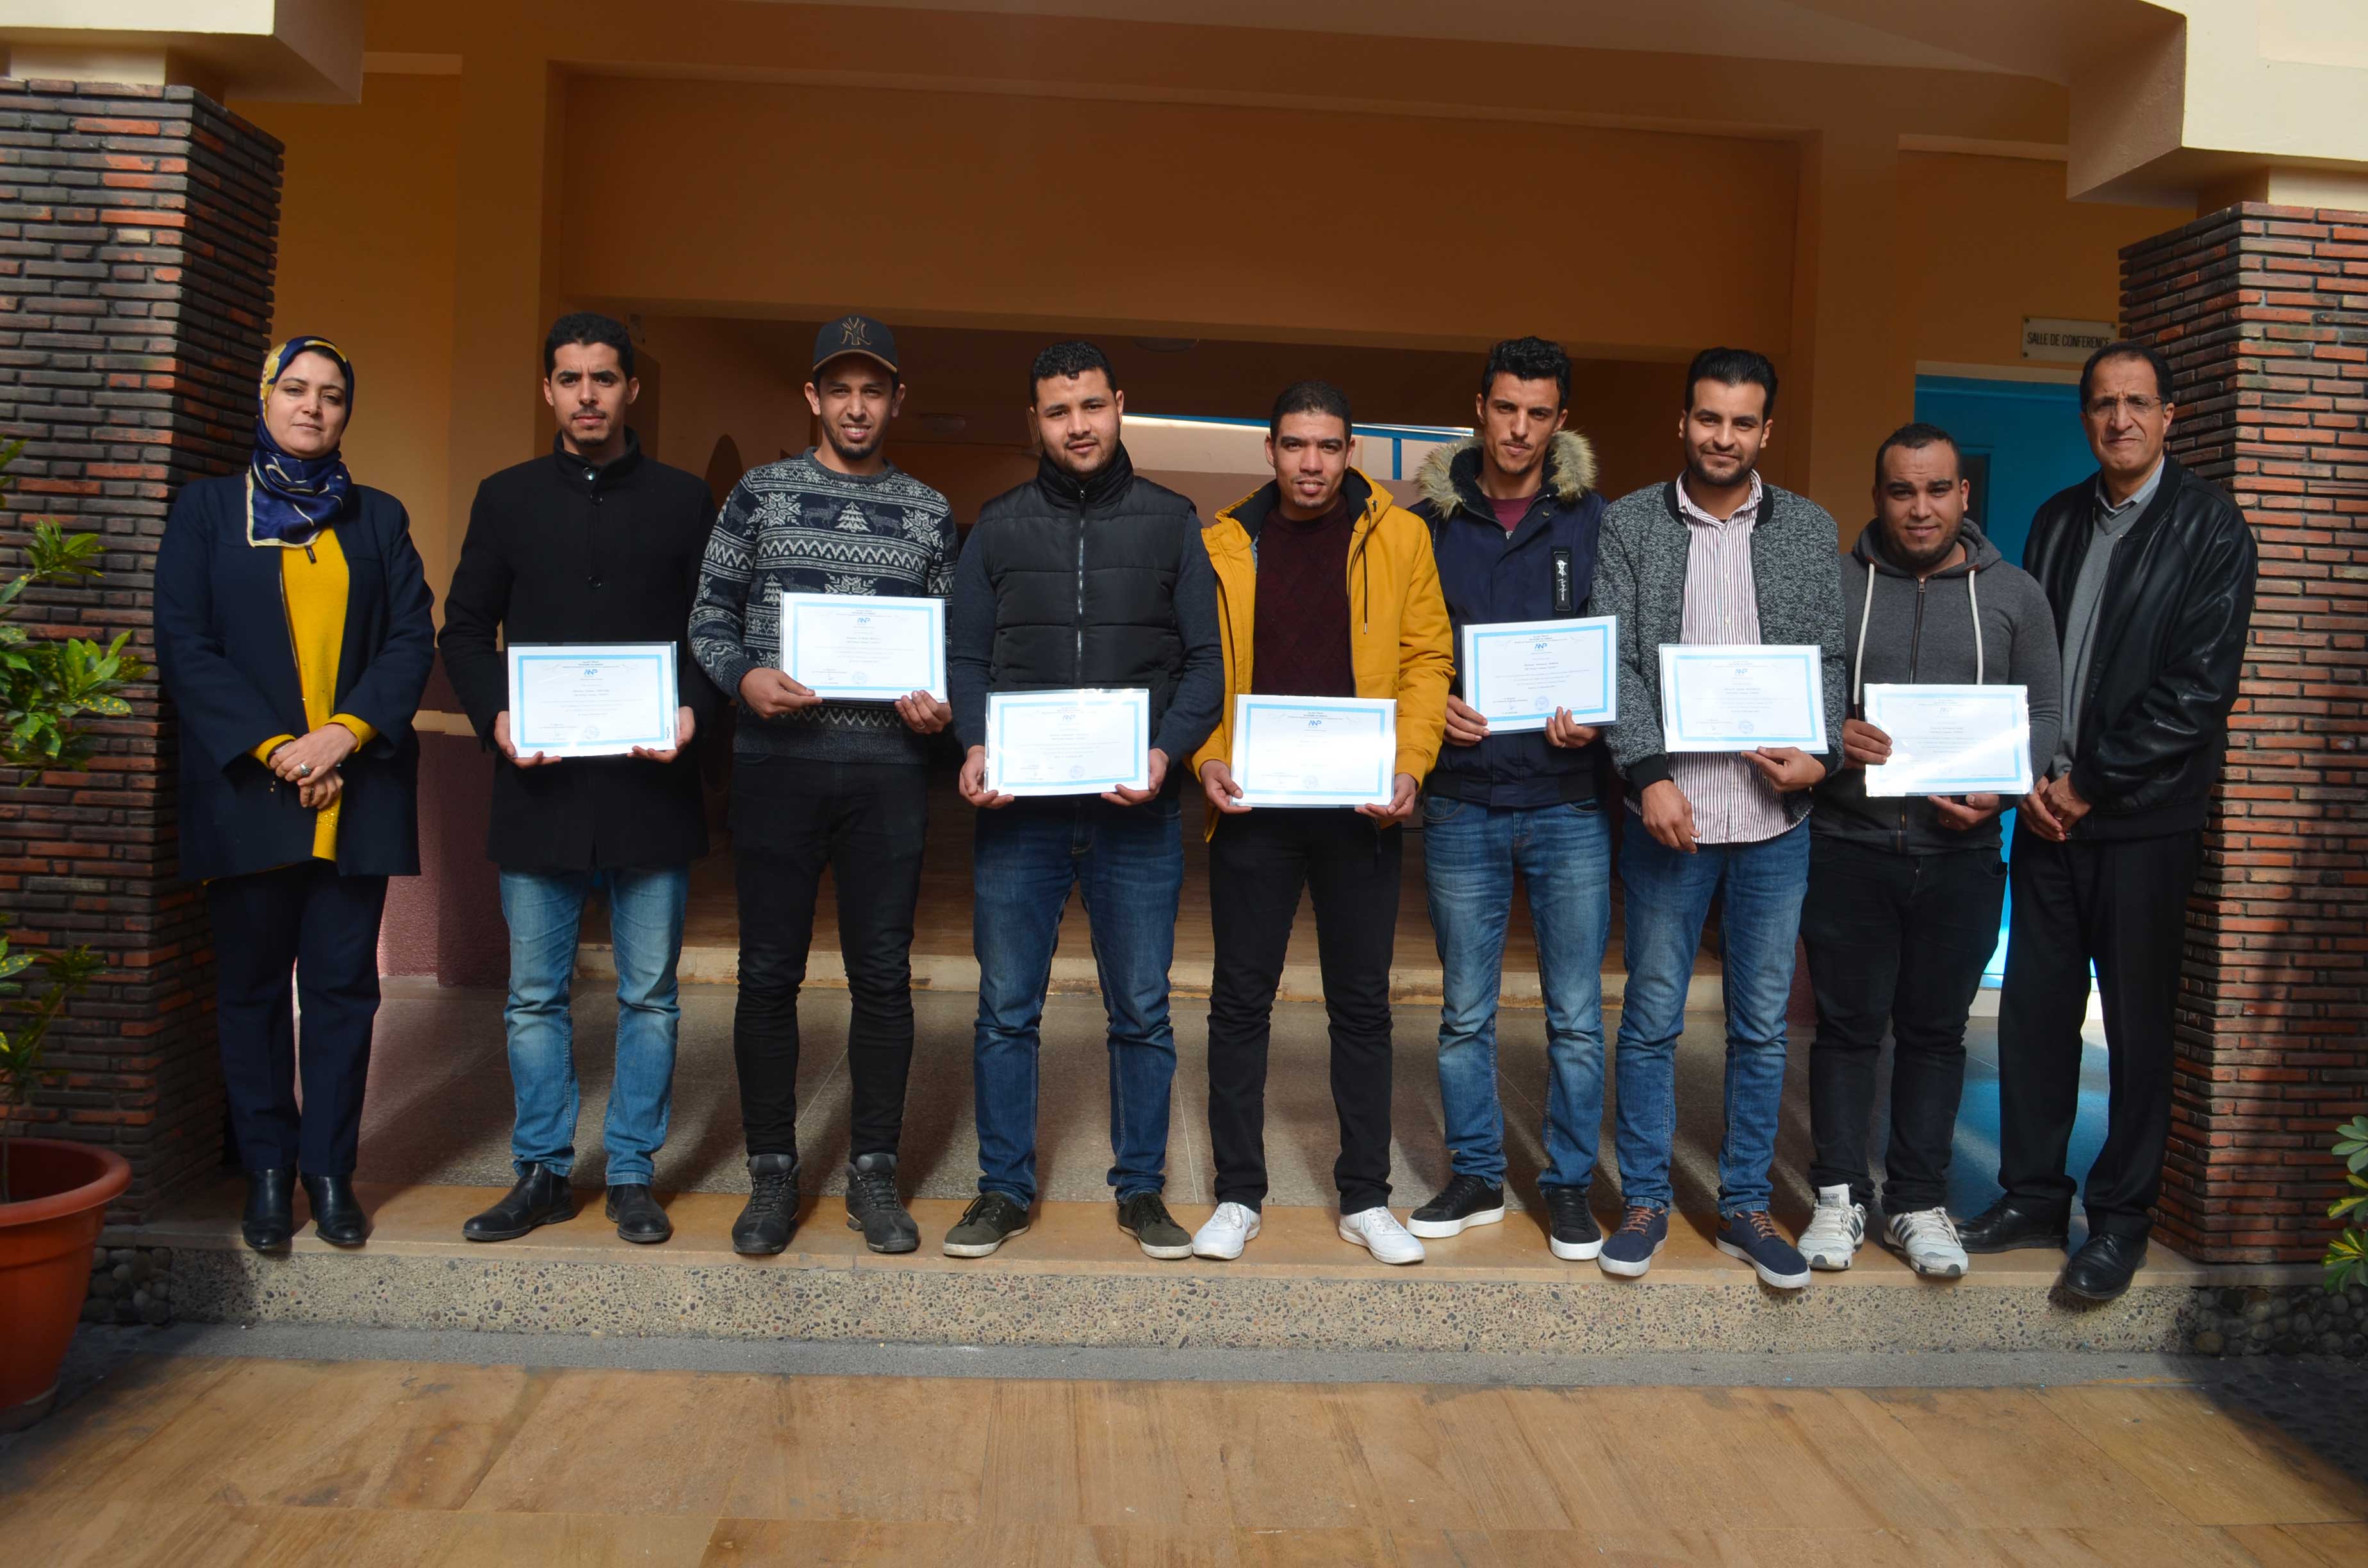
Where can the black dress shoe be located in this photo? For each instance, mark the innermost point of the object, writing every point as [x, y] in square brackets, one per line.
[2010, 1224]
[541, 1198]
[2100, 1270]
[638, 1216]
[270, 1216]
[337, 1216]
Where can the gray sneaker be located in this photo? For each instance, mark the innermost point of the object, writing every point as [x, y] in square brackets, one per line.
[1145, 1218]
[992, 1219]
[873, 1208]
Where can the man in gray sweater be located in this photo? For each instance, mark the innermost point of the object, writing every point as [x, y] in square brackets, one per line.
[1716, 557]
[1904, 892]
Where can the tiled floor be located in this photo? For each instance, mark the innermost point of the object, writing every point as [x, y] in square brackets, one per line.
[198, 1461]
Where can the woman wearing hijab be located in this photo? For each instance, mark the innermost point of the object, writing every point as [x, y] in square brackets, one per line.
[294, 635]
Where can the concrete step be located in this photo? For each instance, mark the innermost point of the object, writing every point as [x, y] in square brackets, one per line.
[715, 964]
[1075, 1280]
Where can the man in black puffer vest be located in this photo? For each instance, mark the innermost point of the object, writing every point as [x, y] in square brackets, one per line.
[1087, 576]
[2149, 569]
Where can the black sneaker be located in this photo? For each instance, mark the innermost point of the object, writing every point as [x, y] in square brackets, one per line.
[1467, 1201]
[992, 1219]
[1145, 1218]
[765, 1225]
[873, 1208]
[1573, 1233]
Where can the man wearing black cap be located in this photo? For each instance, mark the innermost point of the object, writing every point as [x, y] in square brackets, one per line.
[822, 784]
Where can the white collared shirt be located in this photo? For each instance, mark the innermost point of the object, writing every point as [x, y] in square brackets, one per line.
[1733, 804]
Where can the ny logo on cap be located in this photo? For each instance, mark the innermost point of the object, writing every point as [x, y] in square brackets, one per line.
[854, 333]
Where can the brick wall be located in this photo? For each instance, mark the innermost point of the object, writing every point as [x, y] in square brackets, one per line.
[2263, 311]
[138, 232]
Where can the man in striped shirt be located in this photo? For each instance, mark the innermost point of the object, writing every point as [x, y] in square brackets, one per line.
[1718, 556]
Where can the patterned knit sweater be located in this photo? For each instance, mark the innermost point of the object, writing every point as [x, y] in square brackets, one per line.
[795, 525]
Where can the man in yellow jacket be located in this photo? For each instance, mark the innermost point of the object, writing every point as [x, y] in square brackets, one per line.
[1325, 588]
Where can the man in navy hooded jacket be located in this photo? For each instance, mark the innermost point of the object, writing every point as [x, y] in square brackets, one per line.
[1514, 515]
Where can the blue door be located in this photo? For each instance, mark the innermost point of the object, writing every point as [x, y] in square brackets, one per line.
[2022, 443]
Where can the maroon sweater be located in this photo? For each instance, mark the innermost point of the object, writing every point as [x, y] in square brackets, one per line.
[1299, 645]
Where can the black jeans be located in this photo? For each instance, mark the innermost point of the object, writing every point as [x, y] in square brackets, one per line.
[2123, 905]
[1895, 941]
[865, 821]
[1257, 865]
[325, 926]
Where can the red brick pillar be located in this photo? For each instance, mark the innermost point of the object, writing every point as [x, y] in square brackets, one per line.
[2263, 311]
[138, 232]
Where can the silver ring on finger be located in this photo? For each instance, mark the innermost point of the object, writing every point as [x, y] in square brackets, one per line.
[304, 771]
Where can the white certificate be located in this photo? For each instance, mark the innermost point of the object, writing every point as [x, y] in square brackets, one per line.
[592, 698]
[1518, 672]
[1315, 751]
[1951, 740]
[1717, 698]
[1068, 742]
[862, 648]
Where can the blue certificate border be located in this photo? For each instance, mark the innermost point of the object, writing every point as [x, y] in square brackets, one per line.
[1005, 702]
[1253, 795]
[522, 725]
[1995, 784]
[934, 608]
[1809, 662]
[1600, 712]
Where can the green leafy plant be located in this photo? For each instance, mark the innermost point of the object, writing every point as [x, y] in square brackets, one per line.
[20, 1046]
[50, 689]
[2347, 1255]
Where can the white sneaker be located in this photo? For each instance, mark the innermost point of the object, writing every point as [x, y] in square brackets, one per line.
[1379, 1233]
[1928, 1239]
[1231, 1228]
[1835, 1231]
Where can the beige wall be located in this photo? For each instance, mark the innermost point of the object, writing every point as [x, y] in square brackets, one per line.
[955, 212]
[1992, 240]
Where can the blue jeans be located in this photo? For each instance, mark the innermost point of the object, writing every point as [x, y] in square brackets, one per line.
[1127, 863]
[645, 923]
[1669, 896]
[1563, 854]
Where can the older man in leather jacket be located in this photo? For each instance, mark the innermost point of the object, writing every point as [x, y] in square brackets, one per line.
[2149, 569]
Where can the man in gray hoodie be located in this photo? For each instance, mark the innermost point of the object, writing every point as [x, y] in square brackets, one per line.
[1904, 892]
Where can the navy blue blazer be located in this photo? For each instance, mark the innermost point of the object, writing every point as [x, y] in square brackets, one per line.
[223, 649]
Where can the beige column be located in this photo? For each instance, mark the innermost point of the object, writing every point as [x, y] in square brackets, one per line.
[508, 286]
[1850, 378]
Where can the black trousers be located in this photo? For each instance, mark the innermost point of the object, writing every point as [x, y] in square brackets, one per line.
[324, 927]
[1257, 865]
[865, 821]
[1895, 941]
[2123, 906]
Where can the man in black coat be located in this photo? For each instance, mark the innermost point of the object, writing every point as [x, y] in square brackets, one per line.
[1089, 576]
[2150, 571]
[594, 543]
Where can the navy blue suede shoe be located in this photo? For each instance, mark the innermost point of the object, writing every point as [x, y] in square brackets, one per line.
[1754, 1238]
[1644, 1232]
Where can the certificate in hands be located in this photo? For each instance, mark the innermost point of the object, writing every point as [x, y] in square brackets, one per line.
[864, 648]
[1068, 742]
[1518, 672]
[592, 698]
[1951, 740]
[1721, 698]
[1314, 751]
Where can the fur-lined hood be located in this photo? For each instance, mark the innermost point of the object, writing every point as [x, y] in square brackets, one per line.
[1450, 477]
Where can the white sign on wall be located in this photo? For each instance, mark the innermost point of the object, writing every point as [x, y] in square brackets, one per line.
[2051, 338]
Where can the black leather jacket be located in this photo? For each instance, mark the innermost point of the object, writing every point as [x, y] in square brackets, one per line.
[2169, 648]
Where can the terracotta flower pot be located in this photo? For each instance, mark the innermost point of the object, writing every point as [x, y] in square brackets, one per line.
[61, 1192]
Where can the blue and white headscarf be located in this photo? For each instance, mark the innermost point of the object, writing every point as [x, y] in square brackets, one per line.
[289, 498]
